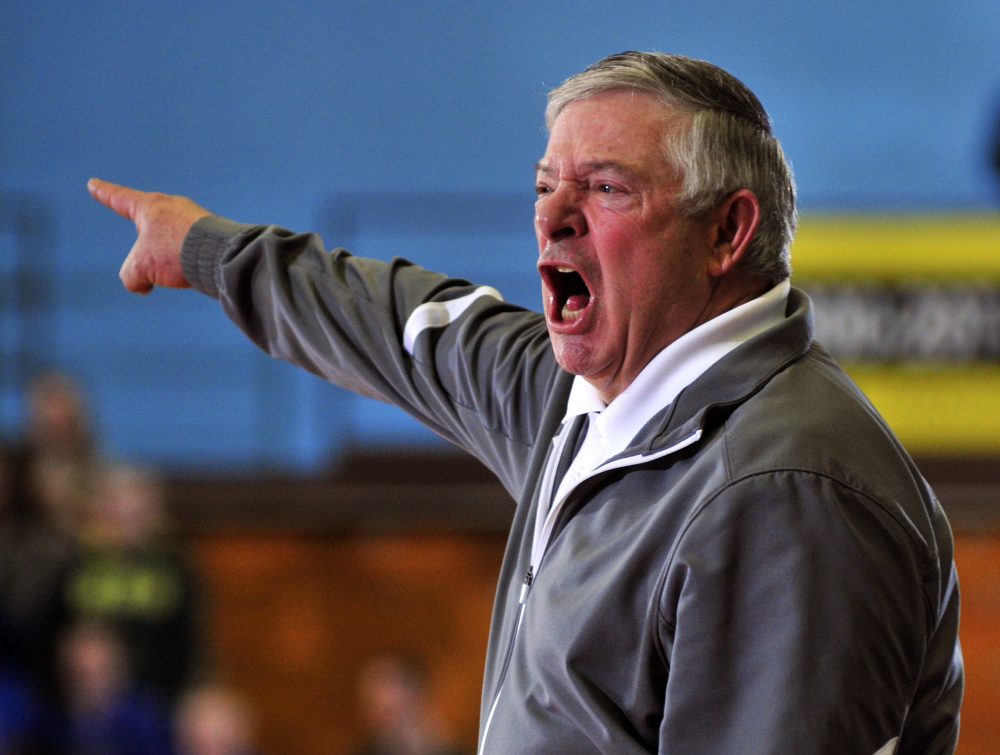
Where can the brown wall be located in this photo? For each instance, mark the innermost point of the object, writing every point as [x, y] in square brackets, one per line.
[977, 558]
[294, 617]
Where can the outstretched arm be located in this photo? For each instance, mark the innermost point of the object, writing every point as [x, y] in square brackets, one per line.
[161, 222]
[436, 346]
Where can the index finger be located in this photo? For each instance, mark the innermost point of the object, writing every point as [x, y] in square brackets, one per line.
[121, 199]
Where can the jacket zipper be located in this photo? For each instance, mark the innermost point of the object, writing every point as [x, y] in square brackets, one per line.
[525, 589]
[543, 529]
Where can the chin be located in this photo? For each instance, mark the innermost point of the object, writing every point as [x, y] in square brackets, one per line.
[572, 356]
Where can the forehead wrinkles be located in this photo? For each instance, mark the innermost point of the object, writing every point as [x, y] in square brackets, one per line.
[625, 127]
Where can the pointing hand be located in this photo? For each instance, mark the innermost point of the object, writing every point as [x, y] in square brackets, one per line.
[161, 222]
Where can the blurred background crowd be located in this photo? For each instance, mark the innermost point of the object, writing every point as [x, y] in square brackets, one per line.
[102, 644]
[102, 635]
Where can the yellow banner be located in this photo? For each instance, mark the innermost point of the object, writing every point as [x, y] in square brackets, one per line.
[934, 409]
[945, 410]
[897, 247]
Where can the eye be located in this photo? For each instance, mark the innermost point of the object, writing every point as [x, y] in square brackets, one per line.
[542, 189]
[606, 188]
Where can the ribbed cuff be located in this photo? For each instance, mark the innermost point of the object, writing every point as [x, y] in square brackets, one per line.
[204, 246]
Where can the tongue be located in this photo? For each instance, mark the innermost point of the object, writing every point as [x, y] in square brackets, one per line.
[576, 302]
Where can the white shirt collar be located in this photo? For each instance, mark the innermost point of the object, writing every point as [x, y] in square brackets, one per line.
[675, 367]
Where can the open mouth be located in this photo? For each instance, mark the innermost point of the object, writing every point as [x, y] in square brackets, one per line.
[569, 291]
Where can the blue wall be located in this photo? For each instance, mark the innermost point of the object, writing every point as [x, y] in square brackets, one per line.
[267, 111]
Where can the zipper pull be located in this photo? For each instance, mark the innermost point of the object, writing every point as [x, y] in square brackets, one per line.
[527, 584]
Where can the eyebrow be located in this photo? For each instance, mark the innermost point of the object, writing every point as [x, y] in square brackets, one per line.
[596, 165]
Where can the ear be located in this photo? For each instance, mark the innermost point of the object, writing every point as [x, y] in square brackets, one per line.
[734, 224]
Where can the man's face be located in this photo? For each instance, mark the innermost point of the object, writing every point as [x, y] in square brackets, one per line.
[623, 274]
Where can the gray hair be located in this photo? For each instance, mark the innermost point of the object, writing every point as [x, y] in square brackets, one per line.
[725, 142]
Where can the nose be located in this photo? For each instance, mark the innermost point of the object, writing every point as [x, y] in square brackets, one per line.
[558, 214]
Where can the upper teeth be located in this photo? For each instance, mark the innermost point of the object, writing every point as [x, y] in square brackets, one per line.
[564, 269]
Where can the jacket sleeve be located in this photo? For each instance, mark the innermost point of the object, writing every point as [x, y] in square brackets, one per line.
[796, 616]
[455, 356]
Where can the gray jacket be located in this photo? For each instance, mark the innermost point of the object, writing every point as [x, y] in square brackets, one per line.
[763, 570]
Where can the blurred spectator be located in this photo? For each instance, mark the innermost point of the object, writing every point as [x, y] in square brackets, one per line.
[34, 552]
[58, 454]
[58, 421]
[394, 696]
[132, 574]
[100, 710]
[212, 720]
[46, 483]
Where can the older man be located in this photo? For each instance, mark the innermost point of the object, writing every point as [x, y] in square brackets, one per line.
[719, 546]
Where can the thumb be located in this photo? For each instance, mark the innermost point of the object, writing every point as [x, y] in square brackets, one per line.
[121, 199]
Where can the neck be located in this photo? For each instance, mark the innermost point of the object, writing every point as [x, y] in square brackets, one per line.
[728, 292]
